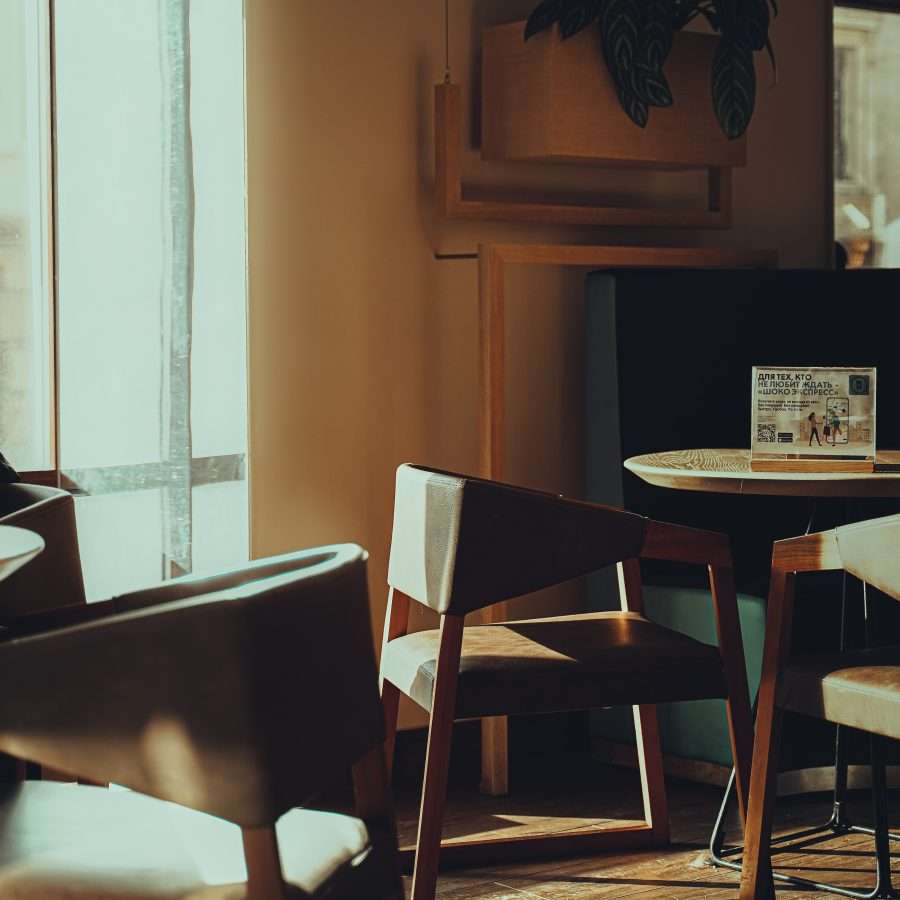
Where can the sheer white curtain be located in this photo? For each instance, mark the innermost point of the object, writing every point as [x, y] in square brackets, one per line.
[25, 383]
[152, 284]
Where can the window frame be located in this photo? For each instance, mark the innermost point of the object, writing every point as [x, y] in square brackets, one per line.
[852, 32]
[97, 481]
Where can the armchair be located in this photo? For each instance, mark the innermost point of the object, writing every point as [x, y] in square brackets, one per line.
[238, 698]
[462, 544]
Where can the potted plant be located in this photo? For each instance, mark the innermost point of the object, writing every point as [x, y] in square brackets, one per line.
[636, 37]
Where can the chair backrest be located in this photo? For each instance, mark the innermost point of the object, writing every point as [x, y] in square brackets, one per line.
[460, 544]
[55, 578]
[871, 551]
[308, 675]
[8, 474]
[243, 702]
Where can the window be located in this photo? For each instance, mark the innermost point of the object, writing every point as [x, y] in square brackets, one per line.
[26, 389]
[149, 179]
[866, 159]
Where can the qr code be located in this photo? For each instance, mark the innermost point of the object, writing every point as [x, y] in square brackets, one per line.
[765, 434]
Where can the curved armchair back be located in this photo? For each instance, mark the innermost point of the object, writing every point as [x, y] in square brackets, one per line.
[242, 701]
[55, 578]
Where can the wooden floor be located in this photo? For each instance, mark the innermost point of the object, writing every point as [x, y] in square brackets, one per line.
[567, 799]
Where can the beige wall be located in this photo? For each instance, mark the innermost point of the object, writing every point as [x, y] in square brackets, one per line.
[363, 347]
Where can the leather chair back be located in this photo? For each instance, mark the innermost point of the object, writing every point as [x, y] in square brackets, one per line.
[460, 544]
[240, 695]
[55, 578]
[871, 551]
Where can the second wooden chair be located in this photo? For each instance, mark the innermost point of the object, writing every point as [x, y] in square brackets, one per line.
[859, 690]
[462, 544]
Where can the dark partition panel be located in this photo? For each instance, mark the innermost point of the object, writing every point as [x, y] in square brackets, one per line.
[684, 345]
[669, 358]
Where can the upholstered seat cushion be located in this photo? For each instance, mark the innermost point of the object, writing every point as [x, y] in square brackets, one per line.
[567, 662]
[74, 842]
[697, 730]
[860, 689]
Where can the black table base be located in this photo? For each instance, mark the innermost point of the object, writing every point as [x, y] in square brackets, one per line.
[839, 823]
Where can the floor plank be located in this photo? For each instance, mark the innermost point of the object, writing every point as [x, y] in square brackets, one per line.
[579, 798]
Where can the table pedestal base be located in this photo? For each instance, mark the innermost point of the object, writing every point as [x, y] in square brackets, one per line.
[838, 824]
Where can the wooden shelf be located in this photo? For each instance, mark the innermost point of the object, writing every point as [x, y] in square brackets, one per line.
[546, 101]
[453, 201]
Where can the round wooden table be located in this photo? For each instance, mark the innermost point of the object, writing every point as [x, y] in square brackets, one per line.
[728, 472]
[17, 547]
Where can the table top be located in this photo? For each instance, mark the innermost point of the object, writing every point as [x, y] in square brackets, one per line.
[728, 472]
[17, 547]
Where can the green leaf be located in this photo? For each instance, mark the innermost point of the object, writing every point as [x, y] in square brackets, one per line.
[648, 80]
[577, 15]
[634, 107]
[657, 32]
[651, 86]
[751, 24]
[725, 13]
[733, 87]
[620, 31]
[544, 15]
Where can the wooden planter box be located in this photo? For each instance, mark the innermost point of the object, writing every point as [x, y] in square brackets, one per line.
[555, 101]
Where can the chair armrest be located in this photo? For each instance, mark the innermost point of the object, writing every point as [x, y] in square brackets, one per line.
[678, 543]
[241, 702]
[817, 552]
[188, 586]
[182, 588]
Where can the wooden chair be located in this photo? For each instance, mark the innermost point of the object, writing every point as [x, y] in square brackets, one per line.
[461, 544]
[237, 699]
[860, 689]
[53, 579]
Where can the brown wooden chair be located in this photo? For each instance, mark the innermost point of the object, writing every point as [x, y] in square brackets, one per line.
[860, 689]
[237, 699]
[461, 544]
[53, 579]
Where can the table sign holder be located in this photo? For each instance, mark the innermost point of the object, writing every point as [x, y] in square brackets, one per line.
[812, 419]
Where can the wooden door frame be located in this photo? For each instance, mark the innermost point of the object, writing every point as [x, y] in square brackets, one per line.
[493, 261]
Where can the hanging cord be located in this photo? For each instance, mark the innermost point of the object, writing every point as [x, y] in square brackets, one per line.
[446, 41]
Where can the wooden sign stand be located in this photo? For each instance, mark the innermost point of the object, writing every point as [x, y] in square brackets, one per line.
[806, 465]
[780, 429]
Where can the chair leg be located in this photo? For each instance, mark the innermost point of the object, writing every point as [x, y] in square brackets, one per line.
[646, 724]
[495, 756]
[879, 805]
[396, 623]
[437, 760]
[756, 877]
[740, 718]
[264, 878]
[650, 763]
[371, 791]
[390, 702]
[375, 806]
